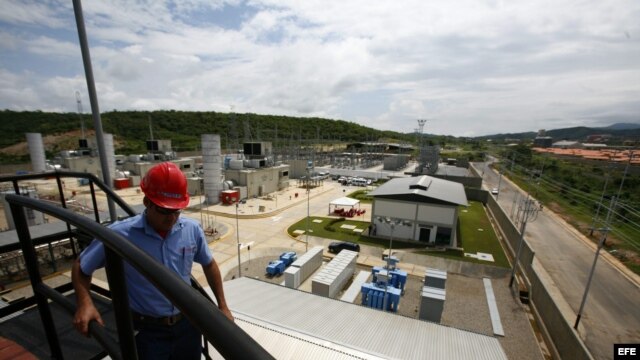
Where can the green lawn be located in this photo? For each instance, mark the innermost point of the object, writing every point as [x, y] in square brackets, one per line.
[475, 235]
[470, 238]
[331, 228]
[362, 195]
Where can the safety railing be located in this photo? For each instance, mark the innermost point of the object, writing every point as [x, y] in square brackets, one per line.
[71, 233]
[228, 338]
[91, 181]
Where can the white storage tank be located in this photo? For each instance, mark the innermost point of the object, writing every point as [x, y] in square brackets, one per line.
[36, 152]
[33, 217]
[236, 164]
[110, 154]
[212, 167]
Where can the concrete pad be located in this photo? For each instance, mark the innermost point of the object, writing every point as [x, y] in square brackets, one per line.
[485, 257]
[493, 308]
[352, 292]
[350, 227]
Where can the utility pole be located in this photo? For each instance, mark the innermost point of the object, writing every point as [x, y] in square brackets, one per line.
[238, 241]
[499, 182]
[79, 103]
[605, 230]
[527, 213]
[537, 183]
[513, 205]
[309, 168]
[595, 218]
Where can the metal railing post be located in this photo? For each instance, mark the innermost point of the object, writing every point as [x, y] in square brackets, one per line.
[118, 287]
[94, 201]
[31, 263]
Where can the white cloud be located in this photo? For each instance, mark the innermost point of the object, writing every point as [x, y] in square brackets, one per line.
[33, 13]
[46, 46]
[473, 67]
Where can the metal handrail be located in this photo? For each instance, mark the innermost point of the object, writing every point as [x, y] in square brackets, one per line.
[228, 338]
[73, 174]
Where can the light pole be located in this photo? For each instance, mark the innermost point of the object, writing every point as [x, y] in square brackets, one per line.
[201, 211]
[393, 222]
[309, 167]
[238, 240]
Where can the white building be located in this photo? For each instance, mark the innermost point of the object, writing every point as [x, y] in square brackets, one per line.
[422, 208]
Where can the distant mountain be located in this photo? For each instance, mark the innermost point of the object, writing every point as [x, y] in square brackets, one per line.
[622, 126]
[620, 131]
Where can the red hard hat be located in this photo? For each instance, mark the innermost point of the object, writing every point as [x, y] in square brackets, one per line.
[166, 186]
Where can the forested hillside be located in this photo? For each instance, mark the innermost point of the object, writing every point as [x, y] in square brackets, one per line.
[579, 133]
[132, 128]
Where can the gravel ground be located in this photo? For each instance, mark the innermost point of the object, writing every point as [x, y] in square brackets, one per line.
[465, 306]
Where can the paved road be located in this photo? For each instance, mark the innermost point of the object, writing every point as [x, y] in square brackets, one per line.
[612, 311]
[269, 232]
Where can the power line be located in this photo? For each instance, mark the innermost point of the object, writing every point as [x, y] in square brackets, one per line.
[579, 200]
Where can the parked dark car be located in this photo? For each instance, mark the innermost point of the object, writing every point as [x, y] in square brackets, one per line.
[337, 246]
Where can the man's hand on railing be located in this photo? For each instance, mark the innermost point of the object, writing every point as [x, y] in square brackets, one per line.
[84, 315]
[225, 310]
[86, 311]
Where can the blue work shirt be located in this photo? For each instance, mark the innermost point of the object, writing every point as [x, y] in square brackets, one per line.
[183, 245]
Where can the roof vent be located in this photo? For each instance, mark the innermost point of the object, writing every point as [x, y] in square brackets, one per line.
[422, 184]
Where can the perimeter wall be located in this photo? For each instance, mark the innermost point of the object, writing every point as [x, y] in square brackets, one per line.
[547, 303]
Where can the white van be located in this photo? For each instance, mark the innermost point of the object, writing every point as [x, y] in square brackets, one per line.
[359, 182]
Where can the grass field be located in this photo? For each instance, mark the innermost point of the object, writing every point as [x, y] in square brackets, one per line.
[476, 235]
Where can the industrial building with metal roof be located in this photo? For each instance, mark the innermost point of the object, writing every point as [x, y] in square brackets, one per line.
[293, 324]
[422, 209]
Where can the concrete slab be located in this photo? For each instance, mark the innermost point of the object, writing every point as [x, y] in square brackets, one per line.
[352, 292]
[493, 308]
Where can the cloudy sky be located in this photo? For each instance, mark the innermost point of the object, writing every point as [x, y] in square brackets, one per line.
[469, 67]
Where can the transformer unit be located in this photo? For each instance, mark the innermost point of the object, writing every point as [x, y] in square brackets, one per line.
[254, 150]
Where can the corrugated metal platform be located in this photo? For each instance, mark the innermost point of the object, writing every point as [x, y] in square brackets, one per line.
[337, 324]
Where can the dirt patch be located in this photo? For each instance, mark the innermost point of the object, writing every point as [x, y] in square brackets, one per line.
[53, 143]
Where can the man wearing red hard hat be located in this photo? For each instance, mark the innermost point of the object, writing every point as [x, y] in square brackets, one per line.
[176, 242]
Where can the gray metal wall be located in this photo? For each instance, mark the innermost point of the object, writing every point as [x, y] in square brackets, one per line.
[550, 309]
[545, 299]
[466, 181]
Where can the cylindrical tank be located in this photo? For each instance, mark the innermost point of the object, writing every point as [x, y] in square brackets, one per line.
[36, 152]
[110, 153]
[228, 185]
[236, 164]
[212, 167]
